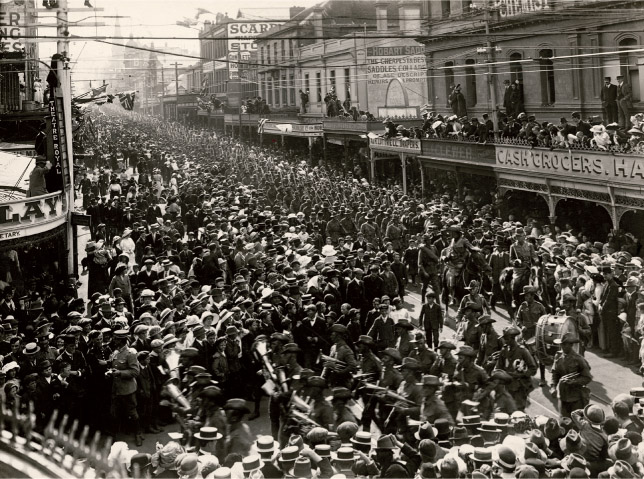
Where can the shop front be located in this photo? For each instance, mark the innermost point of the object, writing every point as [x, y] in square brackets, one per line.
[399, 151]
[313, 133]
[589, 190]
[33, 237]
[465, 166]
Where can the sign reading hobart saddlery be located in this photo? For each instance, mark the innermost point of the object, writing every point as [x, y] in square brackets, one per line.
[574, 164]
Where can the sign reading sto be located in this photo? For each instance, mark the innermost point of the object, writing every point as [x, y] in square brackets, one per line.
[591, 165]
[32, 215]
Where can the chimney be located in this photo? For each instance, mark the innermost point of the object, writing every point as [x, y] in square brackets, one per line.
[294, 11]
[409, 15]
[381, 15]
[318, 28]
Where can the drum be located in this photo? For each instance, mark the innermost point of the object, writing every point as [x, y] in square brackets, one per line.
[549, 328]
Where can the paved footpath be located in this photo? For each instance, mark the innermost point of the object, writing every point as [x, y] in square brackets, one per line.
[610, 376]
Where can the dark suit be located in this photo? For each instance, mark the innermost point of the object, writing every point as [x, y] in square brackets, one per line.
[608, 311]
[148, 279]
[355, 294]
[624, 104]
[608, 97]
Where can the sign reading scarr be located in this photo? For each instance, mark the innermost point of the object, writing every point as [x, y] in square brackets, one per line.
[575, 164]
[241, 36]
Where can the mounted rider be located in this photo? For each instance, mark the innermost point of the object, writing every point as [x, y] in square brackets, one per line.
[458, 249]
[522, 257]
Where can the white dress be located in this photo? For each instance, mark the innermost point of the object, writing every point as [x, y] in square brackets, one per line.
[128, 247]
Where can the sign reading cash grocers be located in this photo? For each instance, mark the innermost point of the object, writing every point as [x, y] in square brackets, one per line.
[573, 163]
[31, 216]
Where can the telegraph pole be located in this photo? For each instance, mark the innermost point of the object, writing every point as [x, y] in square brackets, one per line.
[162, 92]
[176, 89]
[491, 77]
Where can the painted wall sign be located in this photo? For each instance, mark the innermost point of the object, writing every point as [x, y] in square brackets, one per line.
[241, 35]
[512, 8]
[575, 164]
[12, 27]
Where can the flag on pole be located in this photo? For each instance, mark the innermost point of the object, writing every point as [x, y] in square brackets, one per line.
[260, 126]
[127, 99]
[201, 11]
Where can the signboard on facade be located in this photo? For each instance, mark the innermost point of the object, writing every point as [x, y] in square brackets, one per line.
[573, 164]
[12, 27]
[241, 35]
[31, 216]
[460, 151]
[513, 8]
[399, 145]
[396, 75]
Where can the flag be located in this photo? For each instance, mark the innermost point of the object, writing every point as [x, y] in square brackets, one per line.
[201, 11]
[127, 99]
[260, 126]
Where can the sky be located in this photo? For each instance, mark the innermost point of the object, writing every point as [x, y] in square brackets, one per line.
[148, 18]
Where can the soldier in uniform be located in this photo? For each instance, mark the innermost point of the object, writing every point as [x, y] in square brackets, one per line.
[395, 232]
[333, 228]
[370, 230]
[584, 331]
[390, 378]
[445, 366]
[474, 381]
[422, 353]
[322, 412]
[345, 367]
[410, 390]
[432, 406]
[524, 252]
[517, 361]
[124, 369]
[348, 225]
[570, 375]
[341, 412]
[527, 318]
[489, 344]
[371, 368]
[239, 438]
[428, 266]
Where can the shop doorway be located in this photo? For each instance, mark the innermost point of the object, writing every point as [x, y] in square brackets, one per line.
[584, 219]
[633, 222]
[524, 205]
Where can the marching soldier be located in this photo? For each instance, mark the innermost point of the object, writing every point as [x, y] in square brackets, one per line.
[474, 381]
[371, 367]
[411, 391]
[322, 412]
[517, 361]
[581, 321]
[570, 375]
[341, 412]
[333, 228]
[345, 366]
[421, 353]
[527, 318]
[433, 407]
[489, 343]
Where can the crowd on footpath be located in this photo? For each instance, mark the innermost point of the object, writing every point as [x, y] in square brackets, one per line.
[219, 273]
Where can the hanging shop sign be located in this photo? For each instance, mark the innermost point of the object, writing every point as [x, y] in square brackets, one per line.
[12, 27]
[513, 8]
[399, 145]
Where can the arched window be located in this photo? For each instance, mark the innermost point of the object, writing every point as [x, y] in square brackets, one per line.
[628, 66]
[470, 83]
[547, 71]
[516, 70]
[449, 80]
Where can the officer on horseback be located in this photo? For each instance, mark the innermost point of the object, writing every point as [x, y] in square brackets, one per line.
[522, 257]
[456, 255]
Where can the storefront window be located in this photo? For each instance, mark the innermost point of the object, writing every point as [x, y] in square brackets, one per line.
[547, 77]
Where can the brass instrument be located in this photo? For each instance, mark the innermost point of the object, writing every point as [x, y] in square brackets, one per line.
[303, 418]
[413, 422]
[328, 359]
[389, 394]
[273, 379]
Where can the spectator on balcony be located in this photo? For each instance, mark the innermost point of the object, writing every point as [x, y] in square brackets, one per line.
[624, 102]
[37, 182]
[304, 100]
[457, 102]
[608, 97]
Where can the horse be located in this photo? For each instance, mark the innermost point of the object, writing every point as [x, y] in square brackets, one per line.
[455, 281]
[507, 284]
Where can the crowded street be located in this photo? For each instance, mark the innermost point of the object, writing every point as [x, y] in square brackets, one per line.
[346, 239]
